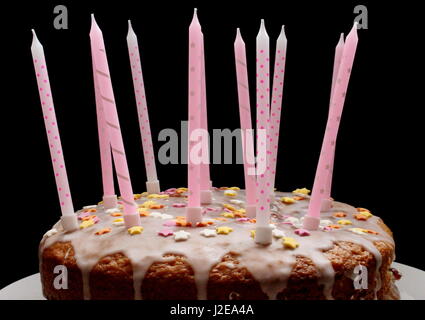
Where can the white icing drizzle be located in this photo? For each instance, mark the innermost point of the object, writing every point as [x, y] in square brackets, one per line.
[270, 265]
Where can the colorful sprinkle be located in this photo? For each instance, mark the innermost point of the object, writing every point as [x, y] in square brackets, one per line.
[302, 232]
[302, 191]
[86, 224]
[181, 235]
[339, 214]
[224, 230]
[344, 222]
[287, 200]
[166, 232]
[252, 233]
[236, 202]
[228, 214]
[118, 222]
[230, 193]
[278, 233]
[179, 205]
[103, 231]
[290, 243]
[135, 230]
[208, 233]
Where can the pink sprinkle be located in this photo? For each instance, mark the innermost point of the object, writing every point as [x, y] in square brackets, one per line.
[242, 219]
[302, 232]
[83, 215]
[179, 205]
[95, 219]
[166, 232]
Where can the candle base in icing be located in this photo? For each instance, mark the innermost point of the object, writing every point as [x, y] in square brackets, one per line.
[251, 211]
[69, 222]
[110, 202]
[206, 196]
[132, 220]
[194, 215]
[311, 223]
[263, 235]
[153, 186]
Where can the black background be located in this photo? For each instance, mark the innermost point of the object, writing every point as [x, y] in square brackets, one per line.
[378, 161]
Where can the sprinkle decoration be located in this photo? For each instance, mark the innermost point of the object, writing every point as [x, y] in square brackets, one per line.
[135, 230]
[166, 232]
[224, 230]
[181, 235]
[290, 243]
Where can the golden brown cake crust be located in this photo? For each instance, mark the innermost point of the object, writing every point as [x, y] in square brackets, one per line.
[111, 278]
[116, 265]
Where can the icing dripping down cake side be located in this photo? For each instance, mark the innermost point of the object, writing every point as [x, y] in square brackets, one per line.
[218, 259]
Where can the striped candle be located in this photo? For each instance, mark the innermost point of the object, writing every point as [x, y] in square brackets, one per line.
[276, 103]
[100, 65]
[69, 220]
[311, 221]
[109, 197]
[152, 183]
[246, 125]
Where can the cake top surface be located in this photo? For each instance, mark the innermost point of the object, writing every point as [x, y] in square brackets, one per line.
[225, 228]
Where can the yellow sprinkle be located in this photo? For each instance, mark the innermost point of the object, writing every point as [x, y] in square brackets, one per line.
[230, 193]
[144, 194]
[135, 230]
[290, 243]
[182, 189]
[234, 188]
[367, 214]
[148, 204]
[118, 220]
[137, 196]
[86, 224]
[224, 230]
[302, 191]
[228, 215]
[228, 206]
[158, 196]
[287, 200]
[252, 232]
[100, 203]
[344, 222]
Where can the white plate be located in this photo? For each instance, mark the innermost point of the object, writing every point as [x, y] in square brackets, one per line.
[411, 286]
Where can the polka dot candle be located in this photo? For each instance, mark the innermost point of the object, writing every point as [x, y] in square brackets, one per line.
[245, 118]
[276, 103]
[263, 110]
[142, 108]
[337, 61]
[193, 211]
[328, 147]
[101, 71]
[52, 129]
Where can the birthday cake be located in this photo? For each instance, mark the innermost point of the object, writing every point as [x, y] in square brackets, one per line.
[349, 257]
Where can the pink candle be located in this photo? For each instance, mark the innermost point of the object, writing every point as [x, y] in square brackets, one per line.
[327, 202]
[263, 231]
[246, 125]
[193, 210]
[152, 183]
[69, 219]
[276, 103]
[100, 65]
[311, 221]
[206, 195]
[109, 197]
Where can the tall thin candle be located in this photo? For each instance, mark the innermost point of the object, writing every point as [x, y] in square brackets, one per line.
[263, 230]
[311, 221]
[246, 125]
[69, 219]
[193, 210]
[276, 103]
[152, 183]
[109, 197]
[327, 200]
[100, 65]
